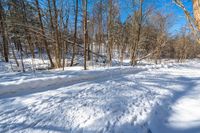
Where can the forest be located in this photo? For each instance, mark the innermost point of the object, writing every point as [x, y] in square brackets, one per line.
[99, 66]
[65, 33]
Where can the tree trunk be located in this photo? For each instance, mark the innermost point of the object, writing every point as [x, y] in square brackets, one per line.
[28, 35]
[75, 34]
[14, 56]
[196, 8]
[196, 11]
[3, 33]
[110, 33]
[21, 54]
[57, 36]
[43, 33]
[85, 30]
[139, 30]
[100, 26]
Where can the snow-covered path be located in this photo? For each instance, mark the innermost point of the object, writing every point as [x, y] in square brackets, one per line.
[181, 112]
[165, 100]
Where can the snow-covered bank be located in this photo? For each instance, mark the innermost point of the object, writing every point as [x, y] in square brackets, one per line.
[179, 113]
[45, 80]
[46, 83]
[164, 100]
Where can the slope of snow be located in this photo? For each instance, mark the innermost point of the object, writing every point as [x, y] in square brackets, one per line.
[116, 100]
[44, 80]
[181, 112]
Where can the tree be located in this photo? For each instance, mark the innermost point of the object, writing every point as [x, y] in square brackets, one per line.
[3, 33]
[43, 33]
[160, 22]
[192, 22]
[85, 31]
[75, 34]
[57, 36]
[137, 24]
[196, 9]
[113, 15]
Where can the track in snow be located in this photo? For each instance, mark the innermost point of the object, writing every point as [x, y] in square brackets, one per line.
[127, 103]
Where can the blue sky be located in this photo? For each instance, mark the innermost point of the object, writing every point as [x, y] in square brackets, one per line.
[165, 6]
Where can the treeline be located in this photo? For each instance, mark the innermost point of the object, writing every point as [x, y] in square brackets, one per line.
[64, 30]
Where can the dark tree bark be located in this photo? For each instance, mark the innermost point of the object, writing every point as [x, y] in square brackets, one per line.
[110, 28]
[3, 33]
[43, 33]
[28, 35]
[57, 36]
[139, 28]
[75, 34]
[85, 31]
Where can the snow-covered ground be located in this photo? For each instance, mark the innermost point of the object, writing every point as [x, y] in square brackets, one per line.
[141, 99]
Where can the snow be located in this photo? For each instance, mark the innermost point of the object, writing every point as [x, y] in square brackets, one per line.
[180, 114]
[142, 99]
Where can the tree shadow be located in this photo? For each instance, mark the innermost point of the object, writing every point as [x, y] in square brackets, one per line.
[116, 103]
[158, 119]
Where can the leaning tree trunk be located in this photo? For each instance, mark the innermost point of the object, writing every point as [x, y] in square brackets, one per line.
[196, 8]
[43, 33]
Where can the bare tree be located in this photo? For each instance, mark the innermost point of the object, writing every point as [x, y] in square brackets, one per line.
[43, 33]
[3, 33]
[85, 31]
[75, 33]
[137, 24]
[196, 9]
[192, 22]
